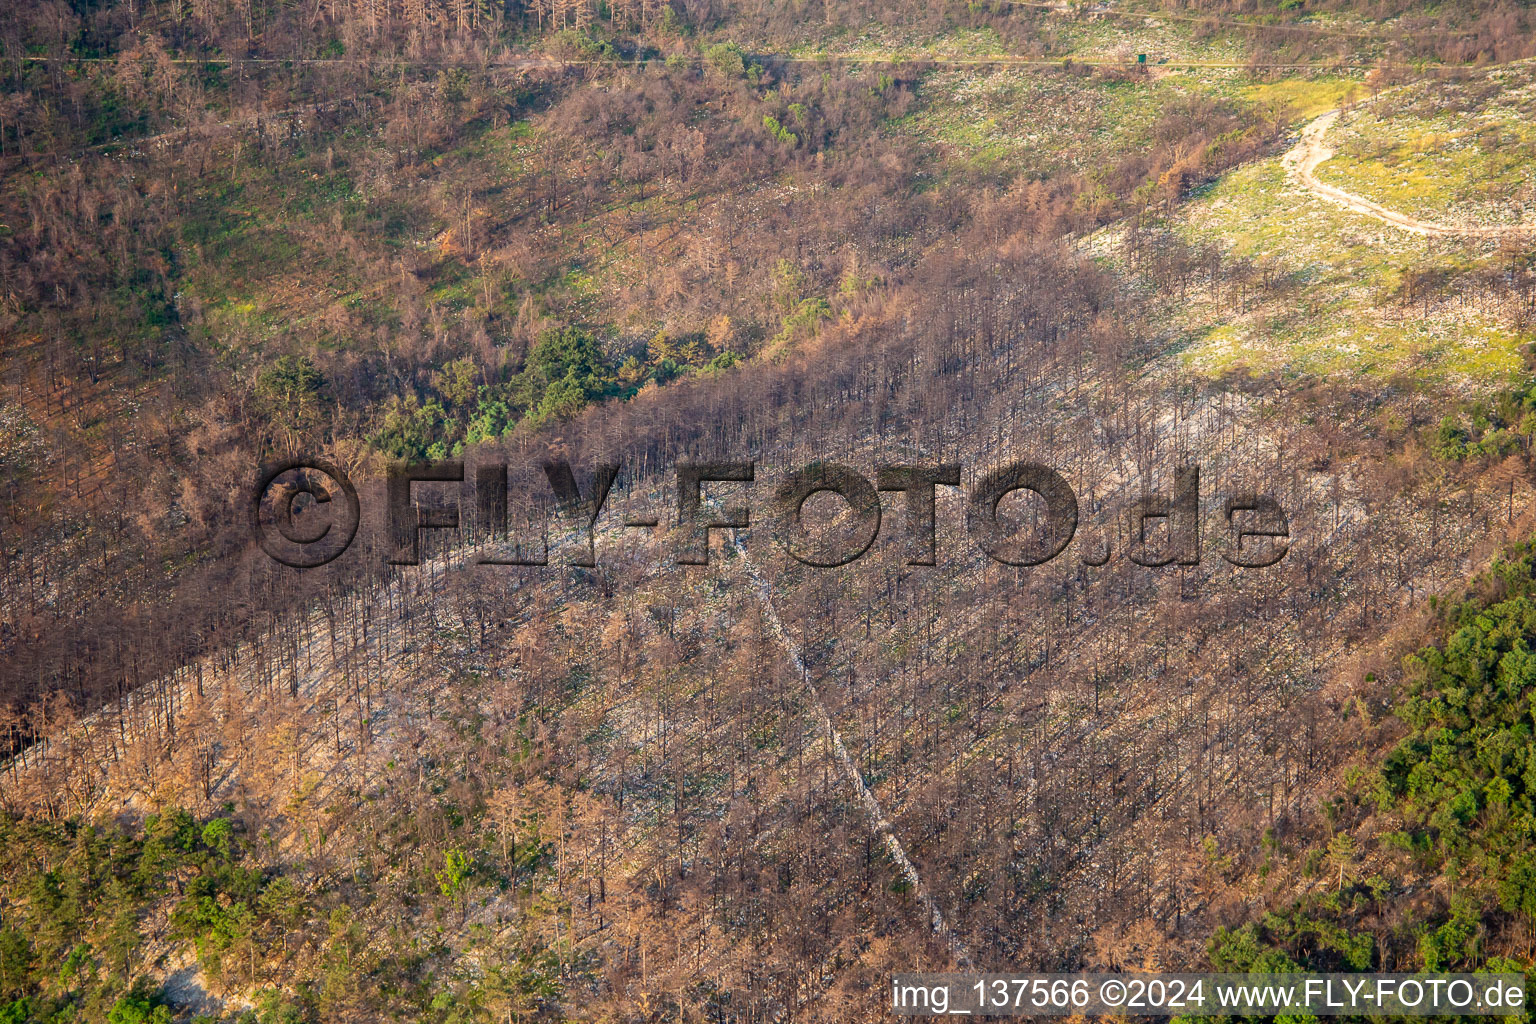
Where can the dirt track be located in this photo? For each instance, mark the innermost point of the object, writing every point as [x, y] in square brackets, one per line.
[1303, 159]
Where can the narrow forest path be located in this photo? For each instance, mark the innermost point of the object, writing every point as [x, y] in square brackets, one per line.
[1303, 159]
[879, 824]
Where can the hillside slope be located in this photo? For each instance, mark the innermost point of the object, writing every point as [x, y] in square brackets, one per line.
[750, 790]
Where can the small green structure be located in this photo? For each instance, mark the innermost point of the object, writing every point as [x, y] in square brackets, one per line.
[1141, 58]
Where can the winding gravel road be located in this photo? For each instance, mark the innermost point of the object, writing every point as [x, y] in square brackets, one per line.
[1303, 159]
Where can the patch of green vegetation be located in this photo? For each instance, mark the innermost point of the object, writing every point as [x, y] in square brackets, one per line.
[1349, 308]
[567, 370]
[92, 908]
[1120, 39]
[1488, 428]
[318, 193]
[1304, 97]
[1462, 785]
[79, 895]
[1454, 152]
[884, 42]
[213, 214]
[1037, 122]
[453, 285]
[1040, 121]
